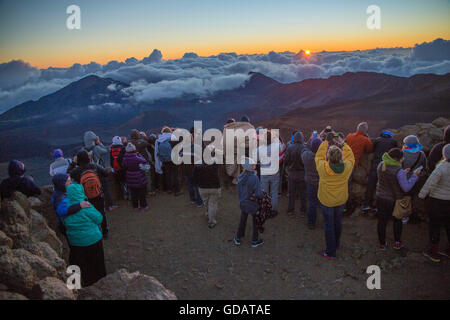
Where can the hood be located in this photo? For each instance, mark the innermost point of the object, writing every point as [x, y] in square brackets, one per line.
[164, 136]
[16, 168]
[89, 140]
[75, 193]
[337, 167]
[389, 161]
[59, 182]
[243, 176]
[447, 134]
[314, 144]
[298, 137]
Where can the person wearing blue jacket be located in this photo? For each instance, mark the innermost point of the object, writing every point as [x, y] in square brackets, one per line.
[60, 202]
[85, 238]
[249, 190]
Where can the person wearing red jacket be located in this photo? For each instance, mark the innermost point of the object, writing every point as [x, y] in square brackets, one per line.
[359, 142]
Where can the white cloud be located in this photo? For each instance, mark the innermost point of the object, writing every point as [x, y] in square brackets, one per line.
[153, 78]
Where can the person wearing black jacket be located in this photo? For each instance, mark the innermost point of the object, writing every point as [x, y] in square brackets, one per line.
[116, 153]
[206, 177]
[82, 163]
[436, 152]
[381, 145]
[296, 173]
[188, 170]
[17, 181]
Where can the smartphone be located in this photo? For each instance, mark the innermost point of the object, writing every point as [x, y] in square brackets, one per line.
[418, 169]
[315, 133]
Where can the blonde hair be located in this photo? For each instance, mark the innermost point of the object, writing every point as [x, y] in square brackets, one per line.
[334, 154]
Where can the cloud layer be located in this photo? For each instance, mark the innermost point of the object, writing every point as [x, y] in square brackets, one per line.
[153, 78]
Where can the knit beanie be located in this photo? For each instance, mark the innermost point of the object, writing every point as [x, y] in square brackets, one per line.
[116, 140]
[57, 153]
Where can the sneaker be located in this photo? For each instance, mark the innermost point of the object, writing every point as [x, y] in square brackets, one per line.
[432, 256]
[145, 209]
[405, 220]
[290, 213]
[237, 241]
[365, 208]
[211, 225]
[445, 253]
[382, 247]
[199, 205]
[176, 194]
[398, 245]
[257, 243]
[326, 256]
[136, 209]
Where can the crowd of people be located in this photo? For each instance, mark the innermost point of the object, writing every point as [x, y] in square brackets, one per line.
[318, 171]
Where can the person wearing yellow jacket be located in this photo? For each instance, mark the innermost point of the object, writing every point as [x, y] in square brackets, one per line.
[334, 166]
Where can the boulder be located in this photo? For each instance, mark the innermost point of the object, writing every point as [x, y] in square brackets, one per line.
[20, 270]
[41, 232]
[441, 122]
[6, 295]
[5, 240]
[52, 288]
[122, 285]
[45, 251]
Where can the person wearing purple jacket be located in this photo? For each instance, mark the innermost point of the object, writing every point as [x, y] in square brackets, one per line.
[135, 177]
[393, 184]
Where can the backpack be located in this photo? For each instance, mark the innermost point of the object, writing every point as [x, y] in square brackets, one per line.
[165, 151]
[115, 152]
[91, 184]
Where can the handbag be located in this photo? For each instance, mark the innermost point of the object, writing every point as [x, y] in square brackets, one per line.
[403, 207]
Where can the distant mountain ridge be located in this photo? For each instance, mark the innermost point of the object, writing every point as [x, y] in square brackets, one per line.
[101, 105]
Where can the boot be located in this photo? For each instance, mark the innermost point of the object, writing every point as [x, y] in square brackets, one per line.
[445, 253]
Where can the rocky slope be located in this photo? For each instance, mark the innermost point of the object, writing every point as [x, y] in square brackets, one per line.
[32, 264]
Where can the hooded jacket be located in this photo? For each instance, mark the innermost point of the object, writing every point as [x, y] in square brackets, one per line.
[135, 177]
[163, 137]
[245, 145]
[141, 143]
[293, 157]
[436, 152]
[249, 188]
[82, 228]
[333, 187]
[59, 200]
[60, 165]
[311, 174]
[17, 181]
[100, 153]
[359, 143]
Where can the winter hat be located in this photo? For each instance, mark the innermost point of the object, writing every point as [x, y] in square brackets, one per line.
[387, 133]
[248, 164]
[117, 141]
[57, 153]
[314, 144]
[412, 144]
[130, 147]
[446, 151]
[363, 127]
[245, 119]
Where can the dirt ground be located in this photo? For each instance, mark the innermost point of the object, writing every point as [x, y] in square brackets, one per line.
[172, 242]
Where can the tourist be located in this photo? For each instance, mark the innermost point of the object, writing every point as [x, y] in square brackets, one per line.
[117, 151]
[334, 167]
[60, 164]
[249, 191]
[437, 188]
[17, 181]
[381, 145]
[90, 176]
[163, 161]
[393, 184]
[136, 179]
[311, 179]
[436, 152]
[296, 174]
[85, 238]
[188, 170]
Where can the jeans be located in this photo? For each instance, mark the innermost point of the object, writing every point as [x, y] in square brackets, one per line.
[371, 185]
[211, 197]
[243, 223]
[332, 224]
[296, 185]
[171, 177]
[138, 197]
[385, 209]
[439, 216]
[271, 183]
[313, 203]
[194, 193]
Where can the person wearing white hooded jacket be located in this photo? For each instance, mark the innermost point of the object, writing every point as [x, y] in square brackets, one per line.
[166, 167]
